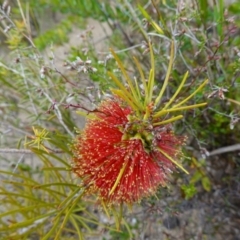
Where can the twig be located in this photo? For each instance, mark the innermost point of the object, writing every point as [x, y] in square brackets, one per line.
[136, 18]
[16, 166]
[58, 114]
[227, 149]
[25, 151]
[29, 92]
[12, 150]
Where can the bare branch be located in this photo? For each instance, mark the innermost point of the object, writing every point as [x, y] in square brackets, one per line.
[25, 151]
[227, 149]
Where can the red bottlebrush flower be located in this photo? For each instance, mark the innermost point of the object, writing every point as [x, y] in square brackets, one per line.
[127, 148]
[118, 156]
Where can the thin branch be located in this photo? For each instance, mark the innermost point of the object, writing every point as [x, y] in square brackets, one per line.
[227, 149]
[16, 166]
[58, 114]
[25, 151]
[136, 18]
[19, 151]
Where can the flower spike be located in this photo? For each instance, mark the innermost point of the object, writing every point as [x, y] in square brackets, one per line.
[128, 148]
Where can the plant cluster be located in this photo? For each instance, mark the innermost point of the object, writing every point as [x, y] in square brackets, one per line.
[159, 106]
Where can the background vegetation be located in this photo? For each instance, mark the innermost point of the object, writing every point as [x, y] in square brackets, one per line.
[39, 96]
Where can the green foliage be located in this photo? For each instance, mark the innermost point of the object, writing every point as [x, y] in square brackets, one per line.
[41, 203]
[234, 8]
[189, 191]
[44, 200]
[122, 234]
[56, 36]
[200, 175]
